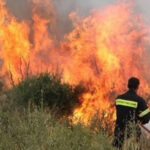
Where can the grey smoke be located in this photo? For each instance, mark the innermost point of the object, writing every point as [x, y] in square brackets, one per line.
[22, 9]
[19, 8]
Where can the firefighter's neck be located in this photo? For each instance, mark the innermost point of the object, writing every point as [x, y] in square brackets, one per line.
[135, 90]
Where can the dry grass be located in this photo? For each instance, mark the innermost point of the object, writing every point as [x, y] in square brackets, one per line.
[39, 130]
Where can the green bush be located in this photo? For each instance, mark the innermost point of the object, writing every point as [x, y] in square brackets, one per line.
[48, 91]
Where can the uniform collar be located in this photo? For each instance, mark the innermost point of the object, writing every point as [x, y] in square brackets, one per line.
[132, 91]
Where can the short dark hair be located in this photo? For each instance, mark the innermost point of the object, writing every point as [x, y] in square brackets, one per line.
[133, 83]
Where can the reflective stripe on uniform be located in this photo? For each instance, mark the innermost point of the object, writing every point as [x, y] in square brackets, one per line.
[126, 103]
[143, 113]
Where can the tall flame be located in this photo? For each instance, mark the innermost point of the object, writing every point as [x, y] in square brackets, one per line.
[14, 41]
[106, 49]
[103, 51]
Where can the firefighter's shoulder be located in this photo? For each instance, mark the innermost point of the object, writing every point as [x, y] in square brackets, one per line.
[140, 100]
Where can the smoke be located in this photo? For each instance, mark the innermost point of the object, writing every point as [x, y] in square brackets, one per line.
[143, 7]
[22, 10]
[82, 8]
[19, 8]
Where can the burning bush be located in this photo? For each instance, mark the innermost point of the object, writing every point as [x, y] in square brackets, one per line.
[48, 91]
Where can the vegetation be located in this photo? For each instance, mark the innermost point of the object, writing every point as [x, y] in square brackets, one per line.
[32, 118]
[46, 90]
[39, 130]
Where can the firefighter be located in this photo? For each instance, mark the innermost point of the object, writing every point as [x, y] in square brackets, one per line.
[130, 109]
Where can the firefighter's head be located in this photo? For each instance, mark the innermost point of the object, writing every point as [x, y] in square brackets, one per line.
[133, 83]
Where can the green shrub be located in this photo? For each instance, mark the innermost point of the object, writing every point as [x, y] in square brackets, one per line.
[48, 91]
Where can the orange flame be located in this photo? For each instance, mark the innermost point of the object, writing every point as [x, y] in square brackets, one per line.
[106, 49]
[14, 42]
[103, 51]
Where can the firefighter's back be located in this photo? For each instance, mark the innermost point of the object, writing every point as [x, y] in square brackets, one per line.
[126, 106]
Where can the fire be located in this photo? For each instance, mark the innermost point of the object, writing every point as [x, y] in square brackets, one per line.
[42, 46]
[106, 49]
[26, 46]
[14, 41]
[103, 51]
